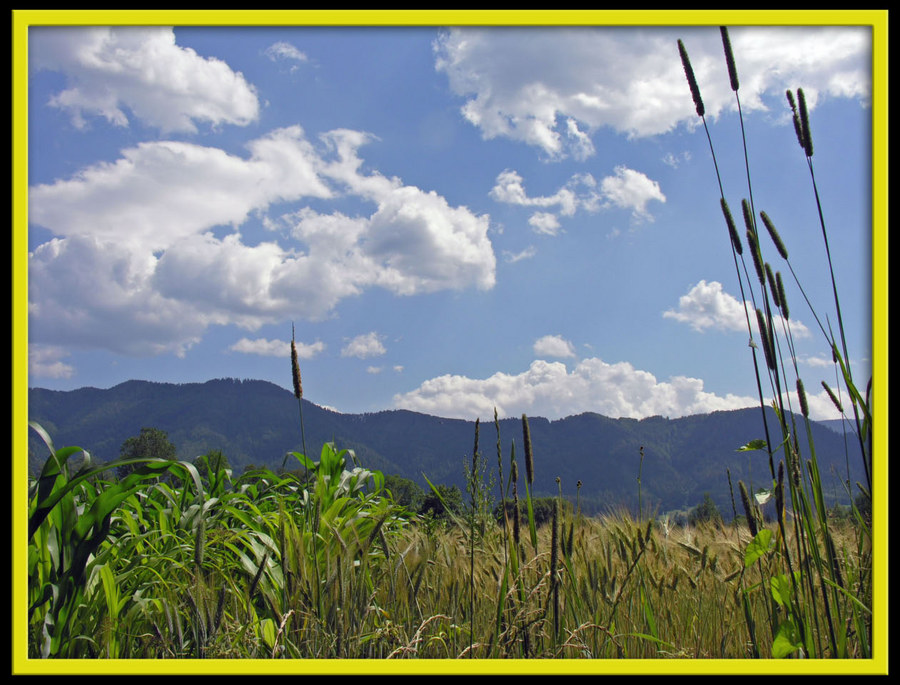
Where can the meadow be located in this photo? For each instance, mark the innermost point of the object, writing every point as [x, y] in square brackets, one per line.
[163, 559]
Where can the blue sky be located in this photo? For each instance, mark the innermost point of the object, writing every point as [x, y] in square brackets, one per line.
[452, 219]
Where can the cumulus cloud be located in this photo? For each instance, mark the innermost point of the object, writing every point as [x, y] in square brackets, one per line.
[707, 305]
[510, 189]
[159, 192]
[46, 362]
[277, 348]
[630, 189]
[93, 294]
[364, 346]
[544, 223]
[548, 389]
[140, 70]
[625, 188]
[553, 87]
[554, 346]
[158, 275]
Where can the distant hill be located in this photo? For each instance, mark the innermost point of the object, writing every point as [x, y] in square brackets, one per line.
[257, 423]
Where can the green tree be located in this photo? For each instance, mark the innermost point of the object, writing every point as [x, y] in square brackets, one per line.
[447, 497]
[542, 507]
[405, 492]
[706, 511]
[152, 442]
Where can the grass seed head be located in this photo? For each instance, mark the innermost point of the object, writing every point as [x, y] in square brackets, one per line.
[779, 284]
[692, 81]
[834, 399]
[773, 286]
[529, 457]
[732, 229]
[804, 123]
[768, 343]
[748, 216]
[295, 368]
[729, 59]
[798, 129]
[779, 244]
[801, 394]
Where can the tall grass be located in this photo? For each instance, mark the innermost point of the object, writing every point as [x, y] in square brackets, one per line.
[234, 568]
[815, 612]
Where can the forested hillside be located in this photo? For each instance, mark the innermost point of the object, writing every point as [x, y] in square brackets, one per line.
[257, 423]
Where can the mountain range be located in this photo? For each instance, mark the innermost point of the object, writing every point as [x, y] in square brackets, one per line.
[257, 423]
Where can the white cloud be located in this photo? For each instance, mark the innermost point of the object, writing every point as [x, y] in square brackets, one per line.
[630, 189]
[817, 362]
[554, 346]
[674, 161]
[285, 50]
[157, 193]
[509, 188]
[544, 223]
[364, 346]
[140, 70]
[158, 276]
[548, 389]
[419, 241]
[46, 362]
[513, 257]
[626, 188]
[277, 348]
[93, 294]
[707, 305]
[553, 87]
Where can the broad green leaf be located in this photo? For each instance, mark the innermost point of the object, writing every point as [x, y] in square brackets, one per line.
[752, 445]
[787, 639]
[758, 547]
[781, 588]
[267, 628]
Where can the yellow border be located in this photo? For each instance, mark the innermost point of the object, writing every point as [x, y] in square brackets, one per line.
[876, 19]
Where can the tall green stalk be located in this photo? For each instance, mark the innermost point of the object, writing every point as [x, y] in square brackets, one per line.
[816, 559]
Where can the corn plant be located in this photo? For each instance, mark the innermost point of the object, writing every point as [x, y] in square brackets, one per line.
[69, 518]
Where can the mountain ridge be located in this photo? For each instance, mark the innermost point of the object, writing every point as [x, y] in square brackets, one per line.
[256, 422]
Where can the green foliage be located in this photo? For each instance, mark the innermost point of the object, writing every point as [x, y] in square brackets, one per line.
[255, 422]
[152, 442]
[70, 516]
[542, 509]
[263, 566]
[705, 512]
[405, 492]
[443, 502]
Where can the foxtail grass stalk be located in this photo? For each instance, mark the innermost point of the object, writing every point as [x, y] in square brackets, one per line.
[503, 492]
[818, 567]
[529, 481]
[735, 243]
[298, 392]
